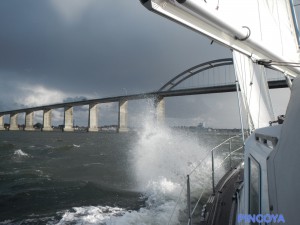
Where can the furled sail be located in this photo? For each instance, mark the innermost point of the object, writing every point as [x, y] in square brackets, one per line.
[254, 90]
[258, 32]
[261, 29]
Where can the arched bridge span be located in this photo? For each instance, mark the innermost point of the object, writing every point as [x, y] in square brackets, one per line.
[183, 76]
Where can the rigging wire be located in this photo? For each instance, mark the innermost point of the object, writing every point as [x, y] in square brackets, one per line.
[269, 101]
[250, 119]
[259, 100]
[218, 5]
[259, 14]
[251, 80]
[239, 104]
[280, 33]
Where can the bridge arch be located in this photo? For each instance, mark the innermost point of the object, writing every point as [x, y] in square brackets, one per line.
[193, 71]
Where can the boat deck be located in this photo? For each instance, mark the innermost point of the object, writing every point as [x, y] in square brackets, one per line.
[220, 208]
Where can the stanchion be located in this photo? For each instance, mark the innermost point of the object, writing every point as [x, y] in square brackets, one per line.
[189, 199]
[213, 172]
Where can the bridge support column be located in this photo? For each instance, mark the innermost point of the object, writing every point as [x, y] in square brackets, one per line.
[159, 104]
[47, 120]
[93, 118]
[2, 122]
[29, 121]
[123, 116]
[68, 119]
[14, 121]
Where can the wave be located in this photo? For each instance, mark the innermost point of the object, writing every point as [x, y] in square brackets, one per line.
[20, 153]
[105, 215]
[49, 147]
[42, 220]
[41, 174]
[161, 160]
[91, 164]
[90, 215]
[6, 222]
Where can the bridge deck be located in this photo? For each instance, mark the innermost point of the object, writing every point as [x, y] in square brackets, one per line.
[170, 93]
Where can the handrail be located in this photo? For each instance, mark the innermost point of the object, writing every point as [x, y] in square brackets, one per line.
[197, 202]
[228, 156]
[205, 188]
[176, 205]
[215, 169]
[226, 141]
[212, 150]
[193, 170]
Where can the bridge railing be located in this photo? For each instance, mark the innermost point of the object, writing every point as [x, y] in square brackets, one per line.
[213, 73]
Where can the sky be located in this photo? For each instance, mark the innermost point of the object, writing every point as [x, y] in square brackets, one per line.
[61, 50]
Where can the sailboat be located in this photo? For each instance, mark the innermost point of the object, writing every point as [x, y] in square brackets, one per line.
[261, 34]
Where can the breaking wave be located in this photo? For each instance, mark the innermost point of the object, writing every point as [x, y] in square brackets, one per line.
[162, 159]
[90, 215]
[20, 153]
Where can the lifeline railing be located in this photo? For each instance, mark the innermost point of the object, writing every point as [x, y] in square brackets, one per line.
[190, 210]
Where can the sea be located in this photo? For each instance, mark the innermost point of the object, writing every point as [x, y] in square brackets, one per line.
[138, 177]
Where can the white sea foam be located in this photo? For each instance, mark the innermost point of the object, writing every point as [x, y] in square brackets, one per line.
[91, 164]
[20, 153]
[90, 215]
[162, 158]
[40, 173]
[165, 153]
[6, 222]
[49, 146]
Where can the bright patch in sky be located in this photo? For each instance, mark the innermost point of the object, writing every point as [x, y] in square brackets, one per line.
[39, 95]
[71, 10]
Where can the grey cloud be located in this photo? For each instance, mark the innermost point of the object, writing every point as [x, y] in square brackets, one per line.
[110, 48]
[107, 46]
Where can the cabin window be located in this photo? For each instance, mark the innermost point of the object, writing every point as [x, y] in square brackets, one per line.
[254, 186]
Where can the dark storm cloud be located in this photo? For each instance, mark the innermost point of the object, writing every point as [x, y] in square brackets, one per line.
[111, 46]
[53, 50]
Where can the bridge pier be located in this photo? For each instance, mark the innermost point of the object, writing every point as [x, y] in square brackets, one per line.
[2, 122]
[29, 121]
[93, 118]
[14, 121]
[68, 118]
[47, 120]
[123, 116]
[159, 104]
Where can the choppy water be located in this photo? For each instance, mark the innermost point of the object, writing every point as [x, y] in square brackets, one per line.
[101, 178]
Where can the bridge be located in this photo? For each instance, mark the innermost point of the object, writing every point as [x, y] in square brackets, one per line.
[210, 80]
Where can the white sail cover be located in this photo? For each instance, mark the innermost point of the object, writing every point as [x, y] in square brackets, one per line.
[260, 29]
[254, 90]
[270, 22]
